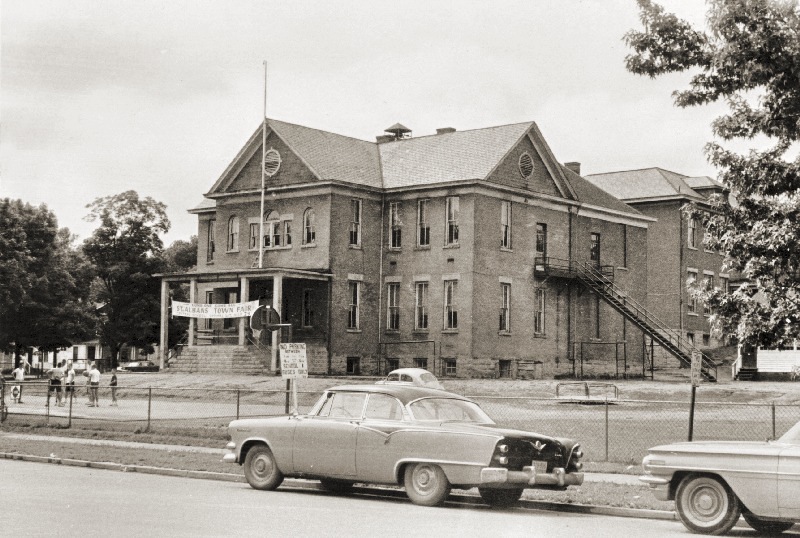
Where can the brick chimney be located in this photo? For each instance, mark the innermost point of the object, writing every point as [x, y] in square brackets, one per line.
[445, 130]
[574, 166]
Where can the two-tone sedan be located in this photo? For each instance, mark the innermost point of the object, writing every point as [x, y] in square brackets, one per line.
[713, 482]
[427, 440]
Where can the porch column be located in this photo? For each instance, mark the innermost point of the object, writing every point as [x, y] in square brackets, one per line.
[192, 321]
[245, 287]
[163, 339]
[277, 301]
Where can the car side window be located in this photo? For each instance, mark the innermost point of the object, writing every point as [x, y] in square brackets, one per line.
[346, 405]
[393, 377]
[383, 407]
[407, 378]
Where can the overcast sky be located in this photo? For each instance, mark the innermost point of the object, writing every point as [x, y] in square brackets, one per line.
[99, 97]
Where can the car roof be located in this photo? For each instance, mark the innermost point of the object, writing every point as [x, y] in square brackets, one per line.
[410, 371]
[404, 393]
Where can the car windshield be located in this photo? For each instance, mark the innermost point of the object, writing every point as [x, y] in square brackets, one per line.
[449, 410]
[792, 436]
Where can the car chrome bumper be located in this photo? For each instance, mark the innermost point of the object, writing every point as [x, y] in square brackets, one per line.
[529, 476]
[658, 485]
[230, 453]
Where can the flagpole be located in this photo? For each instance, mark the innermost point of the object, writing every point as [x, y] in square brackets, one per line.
[263, 180]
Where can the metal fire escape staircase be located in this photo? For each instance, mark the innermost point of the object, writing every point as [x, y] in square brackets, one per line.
[600, 279]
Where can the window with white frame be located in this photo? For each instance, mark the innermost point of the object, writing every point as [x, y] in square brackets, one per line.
[421, 362]
[353, 304]
[233, 234]
[287, 233]
[421, 308]
[538, 311]
[210, 244]
[594, 248]
[505, 225]
[724, 284]
[393, 306]
[396, 225]
[691, 303]
[391, 364]
[450, 304]
[541, 240]
[308, 308]
[691, 232]
[355, 223]
[423, 226]
[451, 213]
[252, 243]
[309, 227]
[449, 367]
[505, 307]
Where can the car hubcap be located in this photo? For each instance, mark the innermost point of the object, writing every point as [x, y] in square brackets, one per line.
[425, 480]
[262, 466]
[707, 503]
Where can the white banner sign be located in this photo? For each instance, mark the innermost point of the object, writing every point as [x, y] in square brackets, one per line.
[293, 360]
[215, 311]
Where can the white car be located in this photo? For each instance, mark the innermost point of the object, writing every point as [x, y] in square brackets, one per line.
[713, 482]
[418, 377]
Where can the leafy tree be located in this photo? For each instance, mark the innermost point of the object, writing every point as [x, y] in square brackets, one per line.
[126, 251]
[180, 256]
[44, 282]
[749, 56]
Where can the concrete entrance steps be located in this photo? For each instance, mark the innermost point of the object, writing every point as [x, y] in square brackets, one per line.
[229, 359]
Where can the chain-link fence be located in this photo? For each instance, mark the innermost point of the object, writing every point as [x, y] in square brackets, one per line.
[615, 430]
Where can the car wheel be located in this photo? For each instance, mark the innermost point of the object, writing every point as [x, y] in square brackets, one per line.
[261, 470]
[426, 484]
[500, 498]
[766, 527]
[336, 486]
[706, 505]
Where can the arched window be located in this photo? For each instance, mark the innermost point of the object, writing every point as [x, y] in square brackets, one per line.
[233, 233]
[309, 227]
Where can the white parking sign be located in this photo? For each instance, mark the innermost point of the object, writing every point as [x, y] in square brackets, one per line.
[293, 361]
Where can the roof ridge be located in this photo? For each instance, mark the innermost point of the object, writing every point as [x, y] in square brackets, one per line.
[320, 130]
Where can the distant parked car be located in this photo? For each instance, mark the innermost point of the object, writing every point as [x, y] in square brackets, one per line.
[427, 440]
[418, 377]
[139, 366]
[713, 482]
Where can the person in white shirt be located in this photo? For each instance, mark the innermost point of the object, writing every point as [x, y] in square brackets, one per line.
[19, 376]
[94, 384]
[70, 382]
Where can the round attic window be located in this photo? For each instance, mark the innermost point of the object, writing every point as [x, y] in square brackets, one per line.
[272, 162]
[525, 165]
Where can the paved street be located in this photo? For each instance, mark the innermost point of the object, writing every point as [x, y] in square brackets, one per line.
[109, 503]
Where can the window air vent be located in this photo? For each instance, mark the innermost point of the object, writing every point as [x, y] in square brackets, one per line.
[272, 162]
[525, 165]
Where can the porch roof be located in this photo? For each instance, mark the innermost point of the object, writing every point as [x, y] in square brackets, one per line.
[254, 273]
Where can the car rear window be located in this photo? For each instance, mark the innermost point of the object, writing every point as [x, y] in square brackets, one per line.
[449, 410]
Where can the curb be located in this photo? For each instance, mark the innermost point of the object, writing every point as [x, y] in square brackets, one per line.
[461, 498]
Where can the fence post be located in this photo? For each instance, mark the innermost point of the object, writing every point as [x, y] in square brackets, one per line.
[69, 419]
[773, 420]
[149, 406]
[606, 428]
[237, 404]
